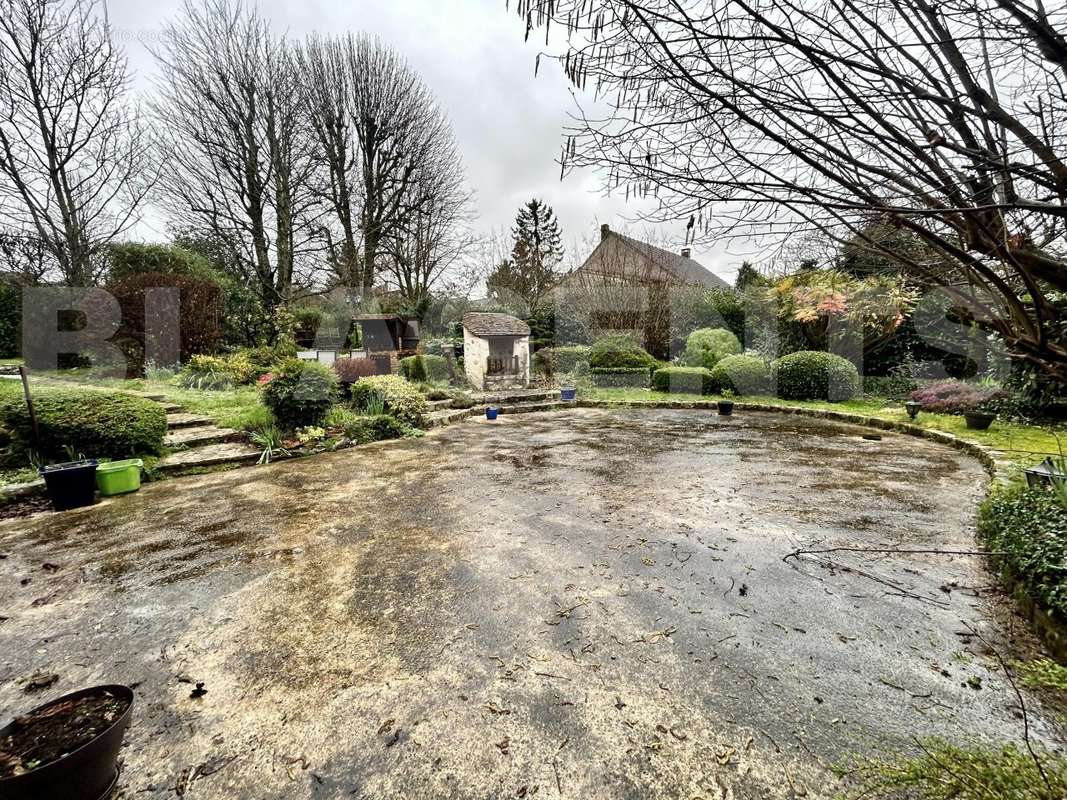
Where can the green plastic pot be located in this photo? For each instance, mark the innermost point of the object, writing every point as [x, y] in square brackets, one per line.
[119, 477]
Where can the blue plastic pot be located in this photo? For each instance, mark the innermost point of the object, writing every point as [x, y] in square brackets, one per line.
[490, 413]
[568, 393]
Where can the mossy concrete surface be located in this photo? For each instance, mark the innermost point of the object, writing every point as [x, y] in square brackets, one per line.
[582, 604]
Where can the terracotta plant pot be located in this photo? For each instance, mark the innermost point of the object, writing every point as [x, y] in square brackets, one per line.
[89, 772]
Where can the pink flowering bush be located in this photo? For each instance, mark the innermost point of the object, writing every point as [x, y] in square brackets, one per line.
[955, 397]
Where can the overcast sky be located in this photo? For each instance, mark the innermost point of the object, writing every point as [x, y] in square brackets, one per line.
[471, 54]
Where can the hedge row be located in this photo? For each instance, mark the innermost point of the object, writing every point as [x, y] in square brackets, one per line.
[422, 368]
[621, 378]
[554, 360]
[1029, 527]
[94, 424]
[684, 380]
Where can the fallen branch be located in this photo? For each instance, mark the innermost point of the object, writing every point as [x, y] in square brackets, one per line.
[891, 551]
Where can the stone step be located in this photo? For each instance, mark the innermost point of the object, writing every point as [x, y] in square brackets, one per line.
[200, 435]
[449, 415]
[526, 408]
[212, 455]
[520, 396]
[171, 408]
[439, 405]
[157, 396]
[175, 421]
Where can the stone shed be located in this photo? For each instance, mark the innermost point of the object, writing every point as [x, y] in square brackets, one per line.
[496, 351]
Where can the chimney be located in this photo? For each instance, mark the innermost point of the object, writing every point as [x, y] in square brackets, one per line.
[604, 231]
[686, 252]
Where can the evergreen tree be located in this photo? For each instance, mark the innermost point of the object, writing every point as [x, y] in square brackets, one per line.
[747, 276]
[533, 269]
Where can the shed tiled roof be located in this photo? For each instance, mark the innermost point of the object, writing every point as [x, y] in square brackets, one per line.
[484, 324]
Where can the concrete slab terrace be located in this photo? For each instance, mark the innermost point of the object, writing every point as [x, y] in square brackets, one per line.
[588, 603]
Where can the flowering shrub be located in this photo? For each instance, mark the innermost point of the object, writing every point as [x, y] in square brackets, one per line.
[955, 397]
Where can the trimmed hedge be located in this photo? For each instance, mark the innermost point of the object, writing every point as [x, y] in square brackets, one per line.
[742, 375]
[813, 375]
[688, 380]
[402, 399]
[615, 352]
[421, 368]
[95, 423]
[375, 429]
[554, 360]
[706, 347]
[628, 377]
[1030, 527]
[300, 393]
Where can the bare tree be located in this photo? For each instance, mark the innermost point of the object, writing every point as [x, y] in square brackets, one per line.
[74, 162]
[775, 116]
[239, 155]
[379, 131]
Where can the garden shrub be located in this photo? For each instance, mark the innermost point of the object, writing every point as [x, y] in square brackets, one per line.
[97, 423]
[199, 312]
[618, 351]
[421, 368]
[10, 320]
[300, 393]
[889, 387]
[814, 375]
[377, 428]
[207, 373]
[955, 397]
[622, 377]
[742, 375]
[706, 347]
[1029, 526]
[687, 380]
[554, 360]
[402, 399]
[306, 322]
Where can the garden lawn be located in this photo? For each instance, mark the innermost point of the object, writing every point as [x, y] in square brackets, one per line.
[1024, 444]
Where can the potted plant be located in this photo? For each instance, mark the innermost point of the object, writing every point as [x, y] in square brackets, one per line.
[980, 417]
[70, 485]
[67, 748]
[726, 405]
[913, 407]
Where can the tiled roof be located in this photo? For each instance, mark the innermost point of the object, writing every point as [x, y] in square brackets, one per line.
[484, 324]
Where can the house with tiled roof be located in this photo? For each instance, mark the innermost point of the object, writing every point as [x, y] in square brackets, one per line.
[496, 351]
[626, 285]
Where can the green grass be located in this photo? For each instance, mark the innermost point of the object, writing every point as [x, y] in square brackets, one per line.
[943, 771]
[1023, 444]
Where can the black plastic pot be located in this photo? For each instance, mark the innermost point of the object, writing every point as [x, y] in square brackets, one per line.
[89, 773]
[726, 407]
[70, 485]
[979, 421]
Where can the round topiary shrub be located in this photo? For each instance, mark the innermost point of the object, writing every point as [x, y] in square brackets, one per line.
[619, 352]
[706, 347]
[742, 375]
[300, 393]
[811, 375]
